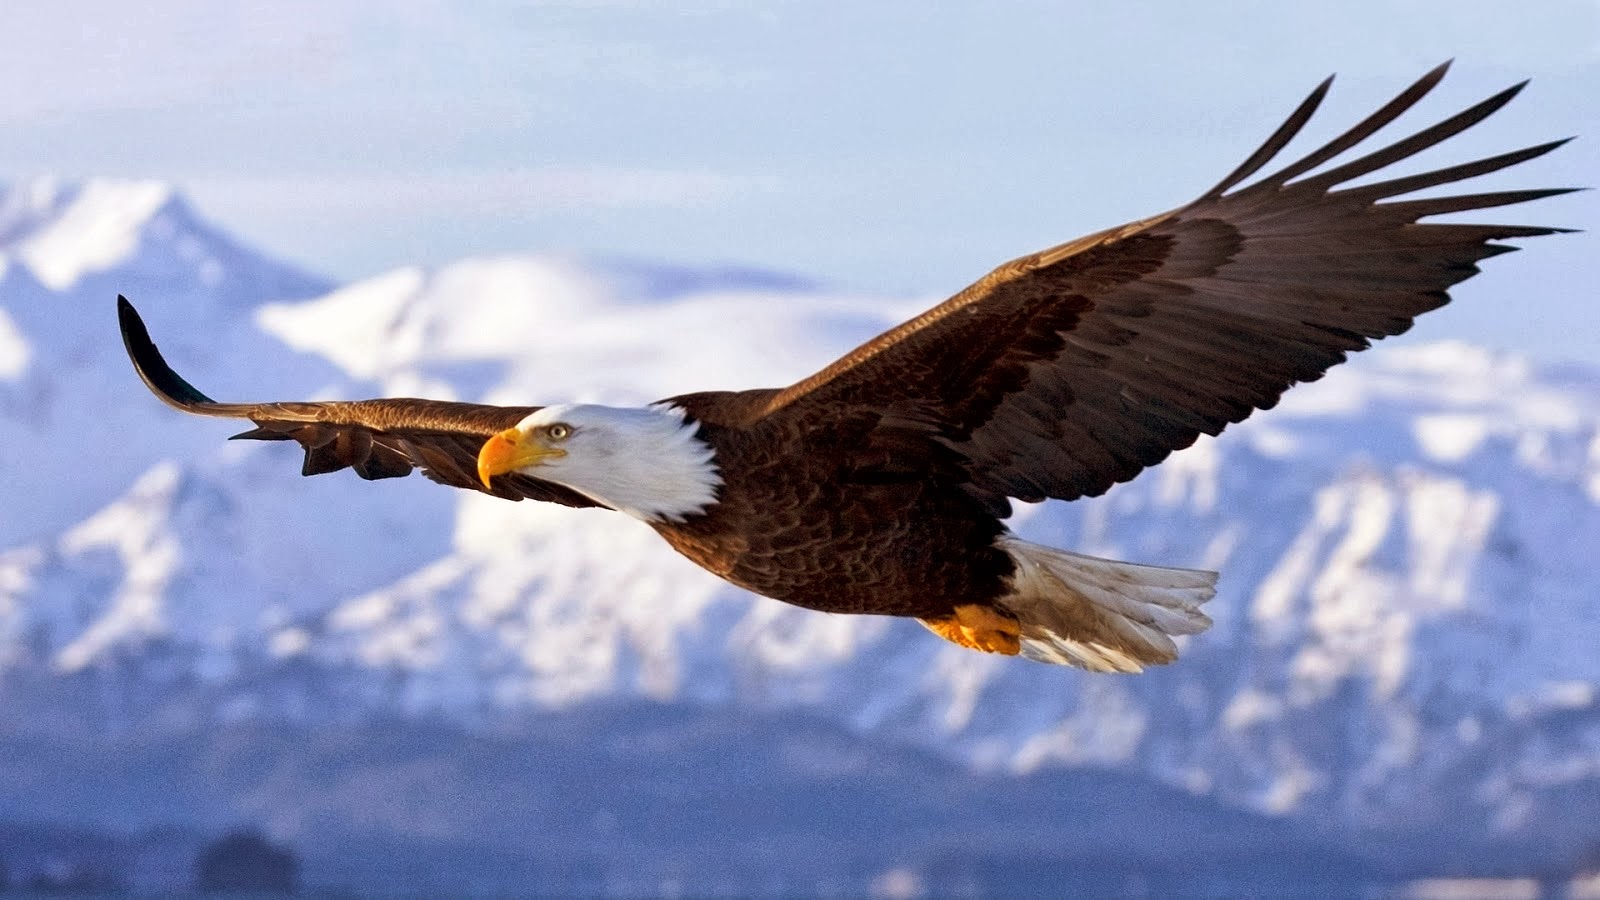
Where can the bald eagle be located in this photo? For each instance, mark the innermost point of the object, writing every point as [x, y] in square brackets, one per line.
[881, 483]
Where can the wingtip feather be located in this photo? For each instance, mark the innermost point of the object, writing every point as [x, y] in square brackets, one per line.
[1276, 141]
[152, 367]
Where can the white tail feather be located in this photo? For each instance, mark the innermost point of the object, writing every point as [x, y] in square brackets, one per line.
[1099, 614]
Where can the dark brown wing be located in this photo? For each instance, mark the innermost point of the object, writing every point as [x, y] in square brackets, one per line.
[376, 438]
[1065, 372]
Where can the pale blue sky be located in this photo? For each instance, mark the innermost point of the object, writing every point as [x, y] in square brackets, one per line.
[903, 147]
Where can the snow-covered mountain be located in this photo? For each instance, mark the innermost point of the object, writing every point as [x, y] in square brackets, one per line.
[1405, 634]
[66, 248]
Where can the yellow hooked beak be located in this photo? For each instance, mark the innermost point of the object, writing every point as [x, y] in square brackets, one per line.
[511, 450]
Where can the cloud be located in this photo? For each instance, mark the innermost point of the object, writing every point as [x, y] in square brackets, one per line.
[76, 56]
[526, 191]
[79, 56]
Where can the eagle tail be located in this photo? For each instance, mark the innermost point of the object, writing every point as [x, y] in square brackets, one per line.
[1100, 614]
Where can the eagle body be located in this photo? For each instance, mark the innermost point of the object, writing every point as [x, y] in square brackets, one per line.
[881, 483]
[830, 519]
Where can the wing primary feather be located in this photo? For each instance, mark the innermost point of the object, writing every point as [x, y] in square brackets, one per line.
[152, 367]
[1365, 128]
[1415, 144]
[1397, 186]
[170, 388]
[261, 434]
[1279, 139]
[1436, 206]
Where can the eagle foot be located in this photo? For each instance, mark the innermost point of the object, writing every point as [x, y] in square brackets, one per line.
[979, 628]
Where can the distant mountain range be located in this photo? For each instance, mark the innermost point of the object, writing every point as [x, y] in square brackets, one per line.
[1403, 673]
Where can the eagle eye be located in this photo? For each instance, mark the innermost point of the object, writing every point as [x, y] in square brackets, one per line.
[558, 432]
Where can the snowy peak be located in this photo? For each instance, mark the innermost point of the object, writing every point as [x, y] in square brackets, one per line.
[550, 329]
[67, 249]
[27, 205]
[132, 236]
[100, 225]
[438, 333]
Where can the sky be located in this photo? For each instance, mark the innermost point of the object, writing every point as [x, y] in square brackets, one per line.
[892, 146]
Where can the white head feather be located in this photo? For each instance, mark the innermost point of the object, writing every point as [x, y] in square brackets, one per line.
[643, 461]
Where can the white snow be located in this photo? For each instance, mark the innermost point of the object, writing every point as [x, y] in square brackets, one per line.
[1447, 524]
[98, 228]
[358, 328]
[137, 529]
[1251, 708]
[1473, 889]
[15, 353]
[1450, 437]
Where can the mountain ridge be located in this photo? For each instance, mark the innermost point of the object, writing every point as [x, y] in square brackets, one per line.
[1404, 630]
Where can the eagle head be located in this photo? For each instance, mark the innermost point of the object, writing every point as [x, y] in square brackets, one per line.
[645, 461]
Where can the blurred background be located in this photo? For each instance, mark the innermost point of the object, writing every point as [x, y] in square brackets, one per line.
[211, 666]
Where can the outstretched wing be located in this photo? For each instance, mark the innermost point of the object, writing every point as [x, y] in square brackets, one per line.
[376, 438]
[1065, 372]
